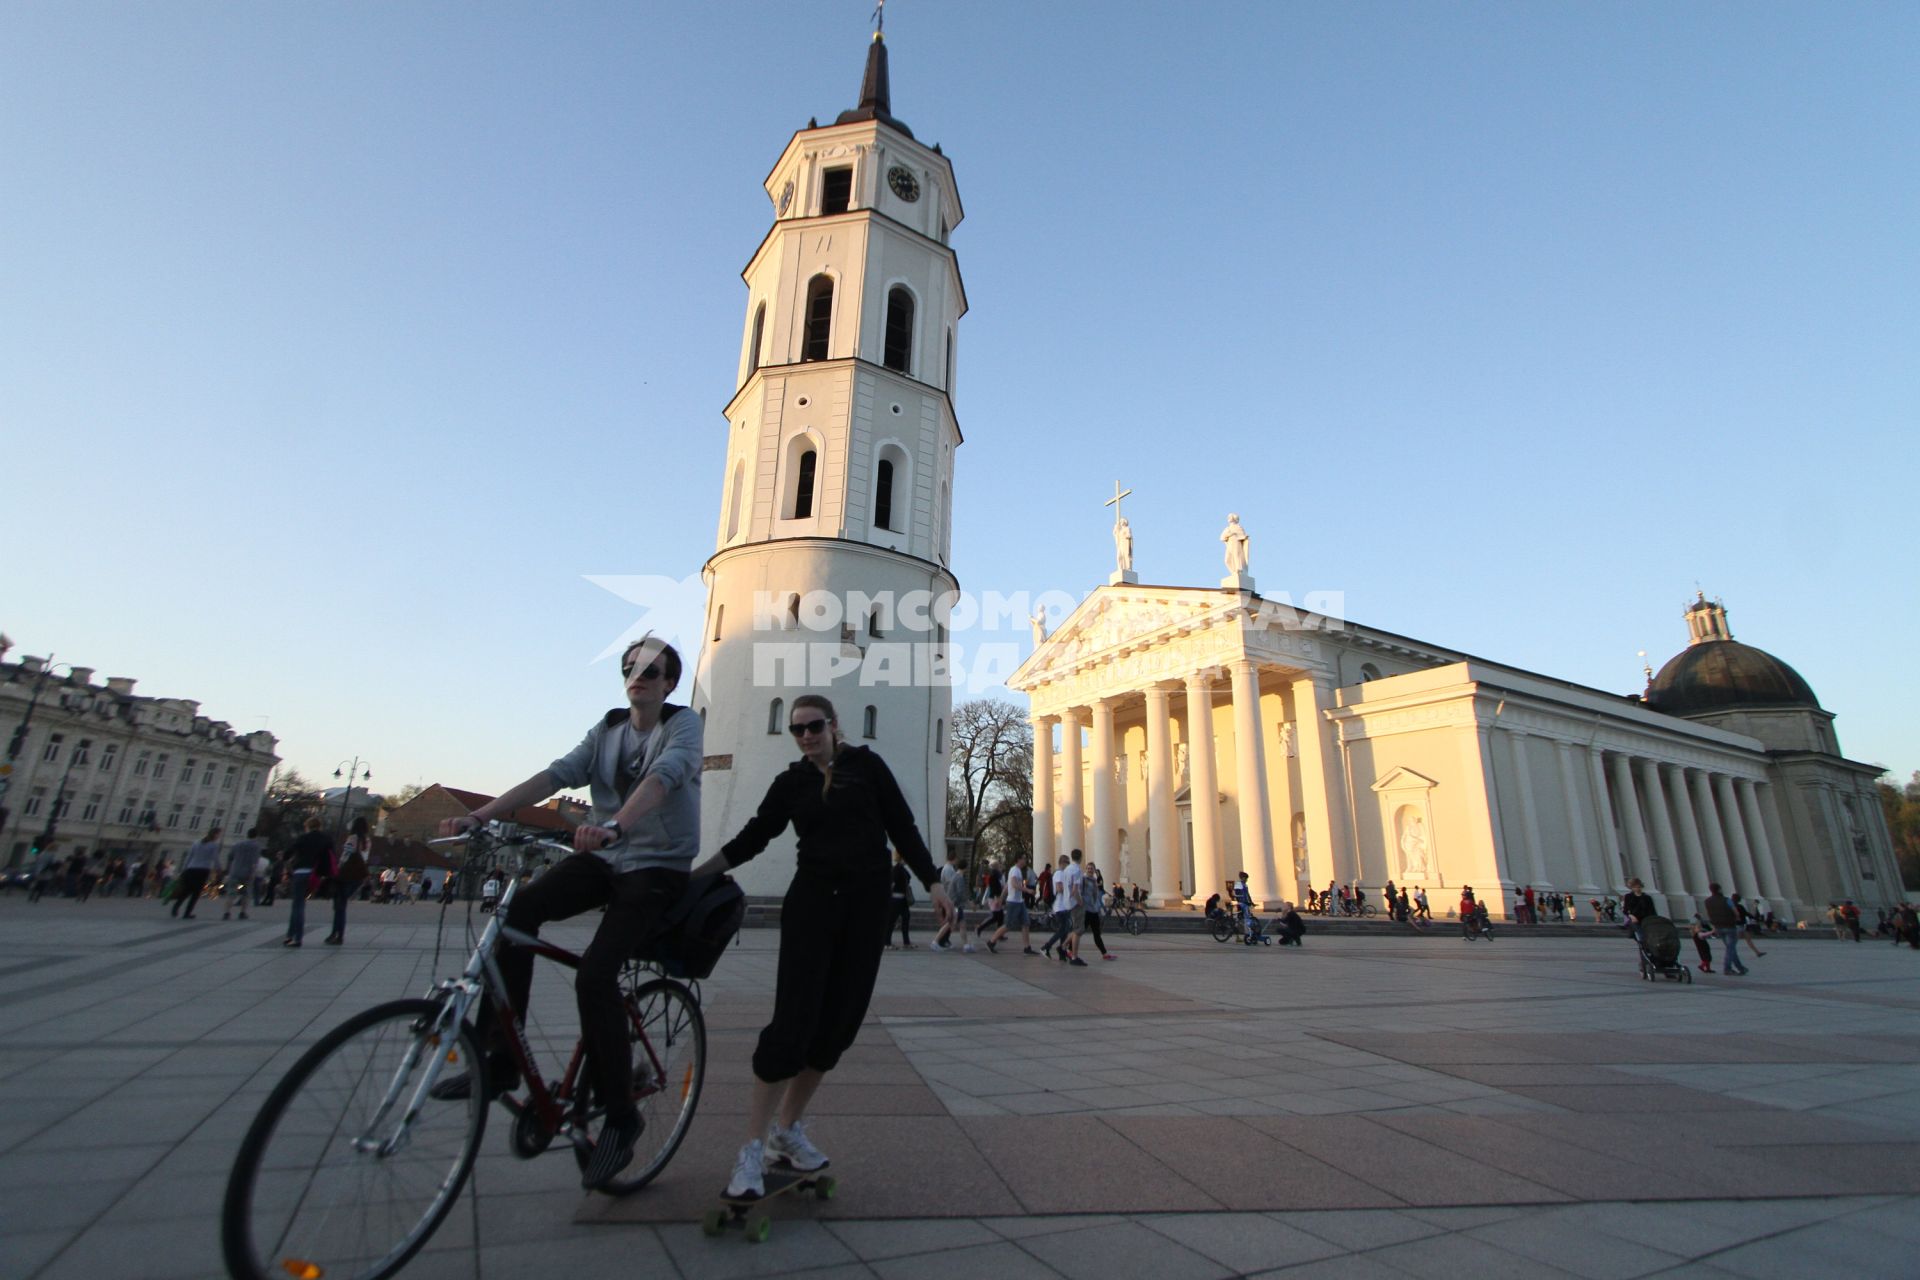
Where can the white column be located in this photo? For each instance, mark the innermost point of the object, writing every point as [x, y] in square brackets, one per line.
[1708, 815]
[1763, 793]
[1763, 852]
[1611, 867]
[1625, 796]
[1739, 851]
[1250, 757]
[1576, 822]
[1529, 811]
[1204, 790]
[1320, 795]
[1103, 844]
[1696, 859]
[1162, 830]
[1043, 814]
[1072, 825]
[1672, 879]
[1485, 818]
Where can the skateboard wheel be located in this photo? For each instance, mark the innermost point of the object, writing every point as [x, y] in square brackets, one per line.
[824, 1189]
[758, 1229]
[713, 1223]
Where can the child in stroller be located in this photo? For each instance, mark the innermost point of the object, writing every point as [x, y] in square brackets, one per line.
[1659, 945]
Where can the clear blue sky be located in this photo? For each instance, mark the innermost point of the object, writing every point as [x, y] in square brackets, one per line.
[340, 343]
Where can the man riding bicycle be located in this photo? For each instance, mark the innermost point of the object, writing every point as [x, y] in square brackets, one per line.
[642, 766]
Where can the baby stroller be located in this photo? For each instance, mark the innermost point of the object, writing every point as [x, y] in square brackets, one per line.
[1660, 951]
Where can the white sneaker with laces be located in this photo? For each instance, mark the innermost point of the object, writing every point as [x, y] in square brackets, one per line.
[749, 1172]
[792, 1148]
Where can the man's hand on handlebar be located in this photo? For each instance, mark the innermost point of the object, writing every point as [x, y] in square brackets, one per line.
[459, 826]
[591, 836]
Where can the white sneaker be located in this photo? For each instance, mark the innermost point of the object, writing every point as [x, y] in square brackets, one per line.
[749, 1172]
[942, 946]
[791, 1147]
[968, 949]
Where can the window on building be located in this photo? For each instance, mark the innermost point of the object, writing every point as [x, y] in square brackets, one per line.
[60, 806]
[719, 615]
[793, 610]
[940, 736]
[141, 763]
[813, 346]
[186, 770]
[883, 494]
[759, 328]
[233, 772]
[1368, 672]
[948, 384]
[736, 498]
[83, 752]
[35, 799]
[91, 810]
[206, 779]
[777, 717]
[836, 190]
[253, 779]
[52, 754]
[173, 818]
[899, 347]
[873, 624]
[109, 756]
[199, 817]
[803, 485]
[126, 811]
[870, 723]
[160, 766]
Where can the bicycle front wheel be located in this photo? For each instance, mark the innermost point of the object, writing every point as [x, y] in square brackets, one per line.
[338, 1176]
[669, 1037]
[1137, 923]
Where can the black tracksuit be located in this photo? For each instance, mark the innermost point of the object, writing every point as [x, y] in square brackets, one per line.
[835, 918]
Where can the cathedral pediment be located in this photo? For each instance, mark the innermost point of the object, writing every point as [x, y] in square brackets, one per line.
[1112, 622]
[1405, 779]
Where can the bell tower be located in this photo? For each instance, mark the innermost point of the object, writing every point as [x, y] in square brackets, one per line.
[830, 573]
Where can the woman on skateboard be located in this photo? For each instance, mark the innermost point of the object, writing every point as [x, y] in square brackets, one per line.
[845, 807]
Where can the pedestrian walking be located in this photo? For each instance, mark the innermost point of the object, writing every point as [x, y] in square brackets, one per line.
[953, 881]
[310, 855]
[902, 902]
[845, 807]
[1726, 927]
[200, 861]
[1093, 893]
[348, 877]
[1019, 910]
[994, 890]
[1702, 933]
[242, 863]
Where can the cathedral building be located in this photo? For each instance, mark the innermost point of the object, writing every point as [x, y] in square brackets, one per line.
[1183, 735]
[830, 571]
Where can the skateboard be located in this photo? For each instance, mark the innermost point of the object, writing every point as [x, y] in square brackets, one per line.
[757, 1226]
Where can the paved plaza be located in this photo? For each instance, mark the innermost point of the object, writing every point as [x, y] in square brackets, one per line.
[1368, 1106]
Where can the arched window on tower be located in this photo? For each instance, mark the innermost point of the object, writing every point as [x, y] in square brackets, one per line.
[759, 331]
[870, 725]
[819, 318]
[883, 495]
[899, 352]
[948, 384]
[734, 499]
[777, 717]
[803, 486]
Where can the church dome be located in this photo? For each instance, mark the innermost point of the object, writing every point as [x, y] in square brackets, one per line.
[1715, 672]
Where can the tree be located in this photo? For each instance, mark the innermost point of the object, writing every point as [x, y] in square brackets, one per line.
[990, 779]
[400, 797]
[1902, 807]
[290, 801]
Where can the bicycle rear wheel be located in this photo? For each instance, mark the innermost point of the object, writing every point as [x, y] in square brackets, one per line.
[1137, 922]
[335, 1178]
[669, 1038]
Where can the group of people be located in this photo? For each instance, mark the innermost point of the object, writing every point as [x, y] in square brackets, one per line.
[1069, 900]
[1287, 925]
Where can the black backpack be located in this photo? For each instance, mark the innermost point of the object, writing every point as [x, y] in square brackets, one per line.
[699, 927]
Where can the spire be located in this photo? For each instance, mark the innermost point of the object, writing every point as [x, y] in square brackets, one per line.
[876, 96]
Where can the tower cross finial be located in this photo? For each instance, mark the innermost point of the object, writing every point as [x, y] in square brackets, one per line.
[879, 18]
[1114, 501]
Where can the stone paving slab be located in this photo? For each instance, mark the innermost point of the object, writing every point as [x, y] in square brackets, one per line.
[1381, 1106]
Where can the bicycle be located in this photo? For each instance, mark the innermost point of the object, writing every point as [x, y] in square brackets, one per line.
[351, 1164]
[1130, 916]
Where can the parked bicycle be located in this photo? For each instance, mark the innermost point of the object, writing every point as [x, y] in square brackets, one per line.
[1127, 914]
[352, 1164]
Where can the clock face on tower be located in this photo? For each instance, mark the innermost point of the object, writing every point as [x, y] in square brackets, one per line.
[786, 197]
[904, 184]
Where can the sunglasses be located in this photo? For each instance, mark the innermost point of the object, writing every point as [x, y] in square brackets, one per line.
[650, 672]
[806, 727]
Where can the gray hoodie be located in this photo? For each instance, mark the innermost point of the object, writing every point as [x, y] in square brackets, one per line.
[673, 752]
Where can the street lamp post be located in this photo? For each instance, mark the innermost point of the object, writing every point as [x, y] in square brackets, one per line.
[353, 773]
